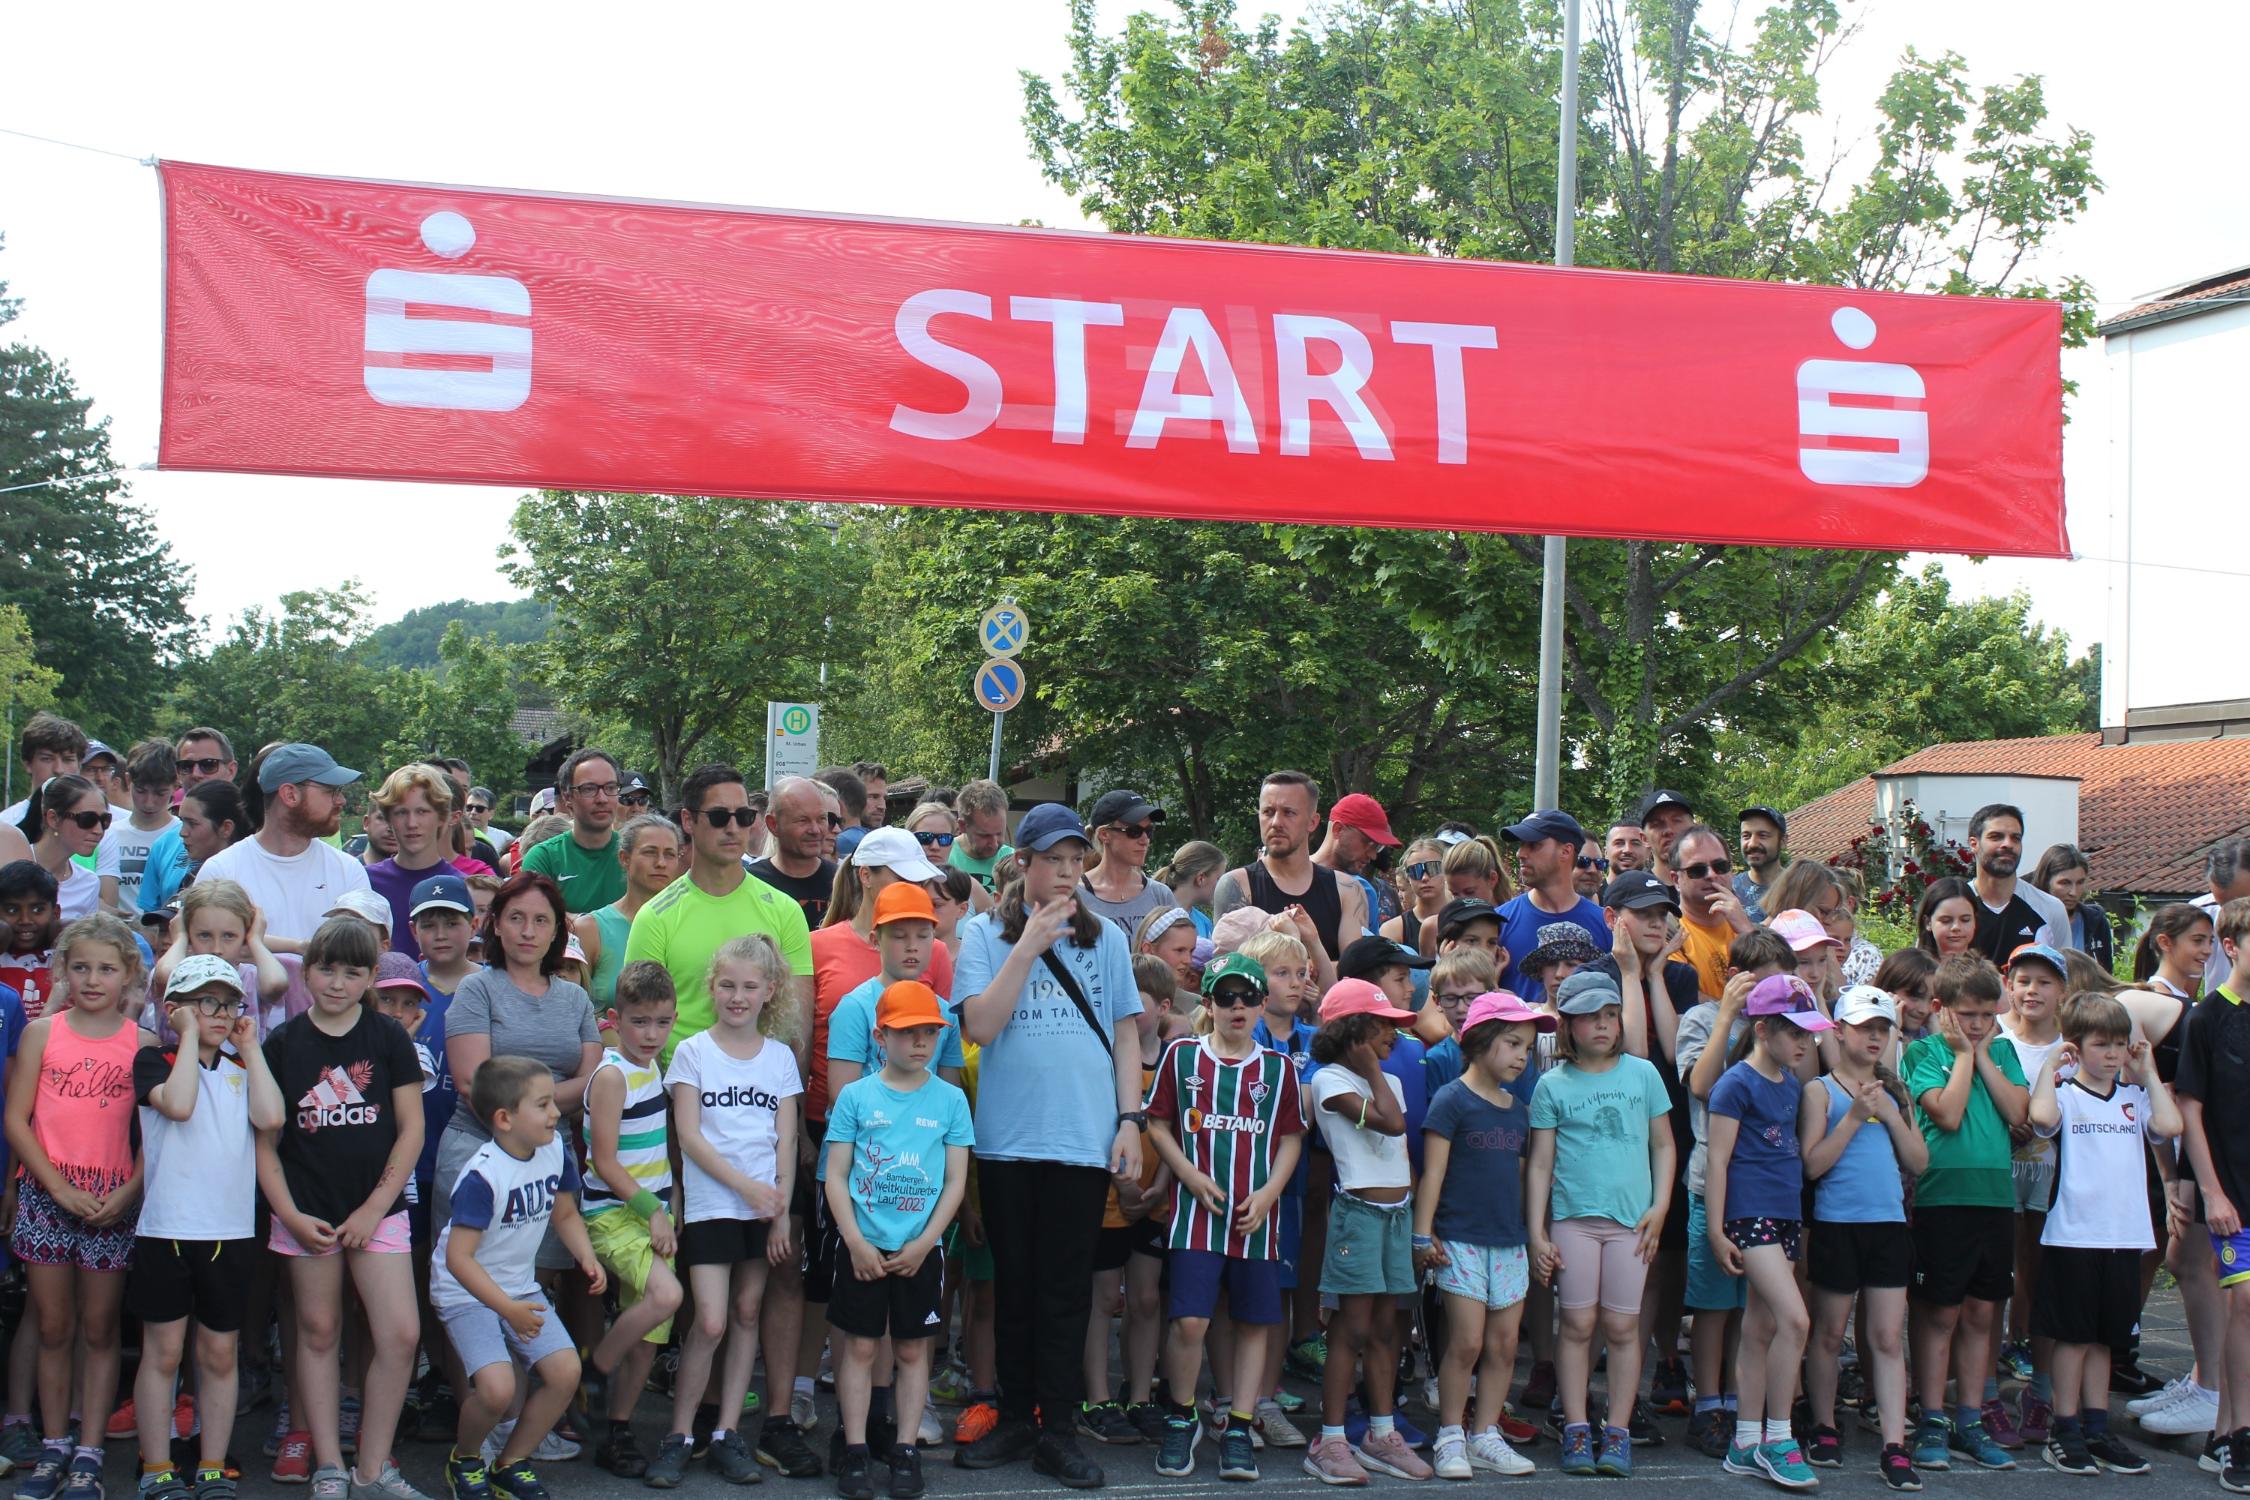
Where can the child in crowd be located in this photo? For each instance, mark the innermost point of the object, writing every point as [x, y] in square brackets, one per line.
[628, 1204]
[1706, 1036]
[951, 898]
[1861, 1250]
[400, 997]
[335, 1173]
[29, 908]
[1756, 1182]
[2089, 1294]
[2037, 980]
[1969, 1092]
[2215, 1120]
[734, 1090]
[1469, 1226]
[1820, 957]
[1225, 1116]
[439, 909]
[123, 854]
[887, 1129]
[1456, 983]
[1906, 977]
[1599, 1148]
[69, 1126]
[486, 1284]
[1370, 1259]
[217, 918]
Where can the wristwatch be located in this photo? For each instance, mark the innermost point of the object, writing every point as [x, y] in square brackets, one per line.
[1135, 1117]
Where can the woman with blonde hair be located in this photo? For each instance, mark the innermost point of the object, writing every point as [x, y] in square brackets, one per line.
[1421, 890]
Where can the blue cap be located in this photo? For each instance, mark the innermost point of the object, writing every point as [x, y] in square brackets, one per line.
[1585, 992]
[1548, 824]
[440, 893]
[2043, 954]
[1047, 825]
[286, 765]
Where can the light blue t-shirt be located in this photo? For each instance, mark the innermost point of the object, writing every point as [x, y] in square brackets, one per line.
[1046, 1085]
[851, 1036]
[1600, 1121]
[1864, 1186]
[166, 867]
[898, 1146]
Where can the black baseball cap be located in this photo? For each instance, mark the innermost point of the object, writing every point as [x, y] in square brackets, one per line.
[1636, 889]
[1549, 824]
[1770, 814]
[1123, 807]
[1371, 955]
[1664, 797]
[1459, 913]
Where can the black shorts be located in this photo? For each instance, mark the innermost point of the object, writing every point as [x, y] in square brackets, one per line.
[723, 1242]
[1117, 1246]
[1674, 1234]
[824, 1255]
[1964, 1252]
[905, 1307]
[207, 1280]
[2087, 1296]
[1849, 1257]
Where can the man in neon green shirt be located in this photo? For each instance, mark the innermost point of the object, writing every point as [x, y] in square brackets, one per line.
[584, 861]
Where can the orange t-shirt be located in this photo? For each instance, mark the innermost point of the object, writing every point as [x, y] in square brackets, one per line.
[1706, 948]
[842, 962]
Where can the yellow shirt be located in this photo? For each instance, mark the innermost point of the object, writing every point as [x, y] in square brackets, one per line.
[1706, 948]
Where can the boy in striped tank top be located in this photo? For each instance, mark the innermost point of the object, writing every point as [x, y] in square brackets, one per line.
[1225, 1117]
[628, 1204]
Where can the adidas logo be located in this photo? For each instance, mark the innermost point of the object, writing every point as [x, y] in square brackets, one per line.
[337, 1099]
[930, 1320]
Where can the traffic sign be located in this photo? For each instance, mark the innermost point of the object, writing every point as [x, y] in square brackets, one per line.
[1005, 629]
[999, 685]
[792, 740]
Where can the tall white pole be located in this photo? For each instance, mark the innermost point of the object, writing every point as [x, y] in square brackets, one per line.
[1546, 782]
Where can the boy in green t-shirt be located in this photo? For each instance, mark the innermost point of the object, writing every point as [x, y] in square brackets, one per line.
[1969, 1092]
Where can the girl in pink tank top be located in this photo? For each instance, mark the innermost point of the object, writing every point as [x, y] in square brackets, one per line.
[69, 1121]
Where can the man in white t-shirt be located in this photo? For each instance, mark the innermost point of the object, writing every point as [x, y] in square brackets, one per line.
[292, 876]
[124, 850]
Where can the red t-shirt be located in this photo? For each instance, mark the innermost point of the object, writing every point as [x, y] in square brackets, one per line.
[842, 961]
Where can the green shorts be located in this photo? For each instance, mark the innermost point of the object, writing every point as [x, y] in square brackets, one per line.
[1370, 1248]
[976, 1260]
[621, 1244]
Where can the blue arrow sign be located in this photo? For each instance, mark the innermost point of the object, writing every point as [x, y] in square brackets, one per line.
[999, 685]
[1004, 629]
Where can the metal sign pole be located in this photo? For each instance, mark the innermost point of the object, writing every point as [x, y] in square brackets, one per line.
[992, 769]
[1546, 781]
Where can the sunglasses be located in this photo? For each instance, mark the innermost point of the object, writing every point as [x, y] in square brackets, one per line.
[208, 765]
[1233, 999]
[835, 820]
[1424, 869]
[934, 840]
[478, 807]
[1589, 862]
[88, 820]
[1706, 867]
[624, 799]
[1130, 830]
[719, 817]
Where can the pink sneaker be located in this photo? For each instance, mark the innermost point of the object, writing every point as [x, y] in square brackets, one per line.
[1387, 1453]
[2000, 1425]
[1330, 1461]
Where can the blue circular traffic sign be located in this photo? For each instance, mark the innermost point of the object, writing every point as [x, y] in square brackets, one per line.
[1004, 629]
[999, 685]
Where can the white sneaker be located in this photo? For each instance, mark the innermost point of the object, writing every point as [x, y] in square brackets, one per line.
[1429, 1393]
[1453, 1459]
[2173, 1390]
[2195, 1413]
[1489, 1450]
[1272, 1425]
[802, 1411]
[554, 1448]
[934, 1431]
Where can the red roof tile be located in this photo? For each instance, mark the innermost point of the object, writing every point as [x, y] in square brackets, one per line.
[2218, 291]
[2147, 813]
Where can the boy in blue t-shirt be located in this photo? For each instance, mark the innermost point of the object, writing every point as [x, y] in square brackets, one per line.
[898, 1165]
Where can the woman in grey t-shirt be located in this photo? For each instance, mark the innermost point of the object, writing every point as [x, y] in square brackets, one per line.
[516, 1008]
[1116, 884]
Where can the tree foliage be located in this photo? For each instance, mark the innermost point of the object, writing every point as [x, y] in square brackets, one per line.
[1430, 128]
[461, 709]
[416, 638]
[683, 615]
[106, 602]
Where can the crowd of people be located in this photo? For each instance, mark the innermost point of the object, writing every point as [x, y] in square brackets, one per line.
[442, 1135]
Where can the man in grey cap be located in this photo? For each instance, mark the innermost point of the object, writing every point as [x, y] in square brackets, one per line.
[293, 876]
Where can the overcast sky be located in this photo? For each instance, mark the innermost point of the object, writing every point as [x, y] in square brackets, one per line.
[910, 109]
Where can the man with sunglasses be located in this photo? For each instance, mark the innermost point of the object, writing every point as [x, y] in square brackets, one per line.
[1116, 884]
[797, 830]
[583, 862]
[292, 874]
[1711, 914]
[850, 806]
[1547, 847]
[1359, 831]
[478, 810]
[200, 755]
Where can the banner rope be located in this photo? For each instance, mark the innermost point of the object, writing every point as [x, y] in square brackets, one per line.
[139, 161]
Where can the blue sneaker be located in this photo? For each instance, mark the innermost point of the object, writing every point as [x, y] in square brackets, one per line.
[1741, 1460]
[1175, 1455]
[1578, 1449]
[1617, 1453]
[1970, 1439]
[1784, 1464]
[1931, 1436]
[44, 1481]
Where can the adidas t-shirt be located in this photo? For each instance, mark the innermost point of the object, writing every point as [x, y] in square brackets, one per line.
[199, 1175]
[739, 1100]
[511, 1200]
[338, 1124]
[1229, 1115]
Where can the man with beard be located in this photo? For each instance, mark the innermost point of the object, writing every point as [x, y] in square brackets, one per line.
[1711, 914]
[1763, 831]
[1547, 846]
[797, 827]
[294, 878]
[1285, 875]
[1665, 815]
[1627, 848]
[2010, 912]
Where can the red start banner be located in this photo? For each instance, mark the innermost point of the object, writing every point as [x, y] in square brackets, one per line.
[322, 326]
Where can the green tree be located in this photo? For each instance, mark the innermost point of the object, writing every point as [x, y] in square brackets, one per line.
[415, 639]
[683, 615]
[1915, 667]
[106, 602]
[462, 709]
[1430, 128]
[25, 686]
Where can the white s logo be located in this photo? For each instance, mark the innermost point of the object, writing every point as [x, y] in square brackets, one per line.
[1905, 428]
[503, 384]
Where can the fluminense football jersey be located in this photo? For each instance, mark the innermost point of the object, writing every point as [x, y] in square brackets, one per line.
[1229, 1115]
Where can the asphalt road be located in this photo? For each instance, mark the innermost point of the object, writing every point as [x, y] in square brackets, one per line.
[1671, 1470]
